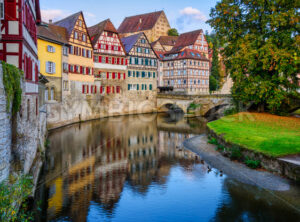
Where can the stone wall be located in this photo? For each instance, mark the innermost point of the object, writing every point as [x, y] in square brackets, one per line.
[77, 107]
[5, 133]
[21, 137]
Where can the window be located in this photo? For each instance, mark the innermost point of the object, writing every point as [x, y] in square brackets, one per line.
[138, 49]
[75, 35]
[150, 87]
[83, 37]
[65, 67]
[1, 10]
[65, 51]
[80, 23]
[143, 41]
[50, 49]
[50, 67]
[46, 94]
[66, 85]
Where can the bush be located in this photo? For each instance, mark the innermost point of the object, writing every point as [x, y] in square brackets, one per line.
[220, 147]
[235, 153]
[12, 199]
[254, 164]
[230, 111]
[213, 140]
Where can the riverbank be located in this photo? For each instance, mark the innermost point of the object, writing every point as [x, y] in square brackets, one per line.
[273, 142]
[235, 170]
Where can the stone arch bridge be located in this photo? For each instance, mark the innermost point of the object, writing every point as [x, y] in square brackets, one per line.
[208, 104]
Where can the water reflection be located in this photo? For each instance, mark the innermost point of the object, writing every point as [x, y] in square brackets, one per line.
[132, 169]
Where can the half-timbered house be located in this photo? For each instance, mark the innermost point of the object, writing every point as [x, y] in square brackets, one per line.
[18, 43]
[154, 25]
[142, 69]
[80, 51]
[110, 61]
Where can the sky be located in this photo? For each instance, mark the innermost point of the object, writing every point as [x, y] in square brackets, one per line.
[184, 15]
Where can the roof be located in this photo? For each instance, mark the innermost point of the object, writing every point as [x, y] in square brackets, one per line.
[187, 54]
[53, 33]
[96, 30]
[186, 39]
[139, 23]
[168, 40]
[69, 22]
[129, 41]
[160, 54]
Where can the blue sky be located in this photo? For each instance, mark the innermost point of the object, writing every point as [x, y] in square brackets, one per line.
[185, 15]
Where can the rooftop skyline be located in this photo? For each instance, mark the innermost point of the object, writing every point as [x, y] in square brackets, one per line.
[185, 16]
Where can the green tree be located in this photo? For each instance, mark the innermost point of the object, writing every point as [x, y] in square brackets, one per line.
[215, 67]
[173, 32]
[212, 83]
[260, 40]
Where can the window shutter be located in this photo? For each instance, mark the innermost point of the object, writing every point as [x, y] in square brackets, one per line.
[36, 73]
[87, 89]
[101, 89]
[119, 75]
[138, 87]
[54, 68]
[106, 47]
[82, 88]
[107, 75]
[124, 76]
[113, 75]
[128, 86]
[100, 58]
[113, 60]
[11, 11]
[47, 68]
[106, 60]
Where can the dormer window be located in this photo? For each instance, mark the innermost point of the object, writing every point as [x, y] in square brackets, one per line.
[80, 23]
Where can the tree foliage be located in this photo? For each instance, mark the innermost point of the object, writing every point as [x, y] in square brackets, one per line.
[212, 83]
[261, 44]
[173, 32]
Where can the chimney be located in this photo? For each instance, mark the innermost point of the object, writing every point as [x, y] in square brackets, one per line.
[50, 21]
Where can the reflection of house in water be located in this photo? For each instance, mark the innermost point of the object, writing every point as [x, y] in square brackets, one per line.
[92, 161]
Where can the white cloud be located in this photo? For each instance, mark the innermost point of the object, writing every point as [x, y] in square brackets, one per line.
[193, 13]
[89, 14]
[54, 14]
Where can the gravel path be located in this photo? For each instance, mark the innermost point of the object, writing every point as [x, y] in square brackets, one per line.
[232, 169]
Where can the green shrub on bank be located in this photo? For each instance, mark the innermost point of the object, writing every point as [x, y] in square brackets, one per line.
[254, 164]
[236, 153]
[230, 111]
[13, 196]
[212, 140]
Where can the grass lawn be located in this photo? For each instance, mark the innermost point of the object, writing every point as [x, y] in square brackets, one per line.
[272, 135]
[297, 112]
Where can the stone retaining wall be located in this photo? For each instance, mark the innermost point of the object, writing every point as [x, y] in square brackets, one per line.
[5, 133]
[272, 164]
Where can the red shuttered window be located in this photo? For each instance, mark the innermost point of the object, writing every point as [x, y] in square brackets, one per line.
[107, 75]
[118, 89]
[124, 76]
[101, 89]
[10, 10]
[113, 75]
[126, 62]
[122, 61]
[113, 60]
[106, 60]
[100, 58]
[119, 75]
[108, 89]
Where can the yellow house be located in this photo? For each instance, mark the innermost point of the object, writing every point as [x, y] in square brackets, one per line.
[52, 45]
[80, 59]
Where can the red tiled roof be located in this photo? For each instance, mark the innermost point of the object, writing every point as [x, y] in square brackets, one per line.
[186, 39]
[159, 54]
[96, 30]
[168, 40]
[52, 32]
[139, 23]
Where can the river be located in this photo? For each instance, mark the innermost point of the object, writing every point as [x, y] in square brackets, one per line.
[133, 168]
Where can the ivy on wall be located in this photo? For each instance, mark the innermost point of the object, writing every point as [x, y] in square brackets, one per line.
[12, 84]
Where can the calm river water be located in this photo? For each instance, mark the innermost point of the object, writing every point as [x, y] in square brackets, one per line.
[134, 169]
